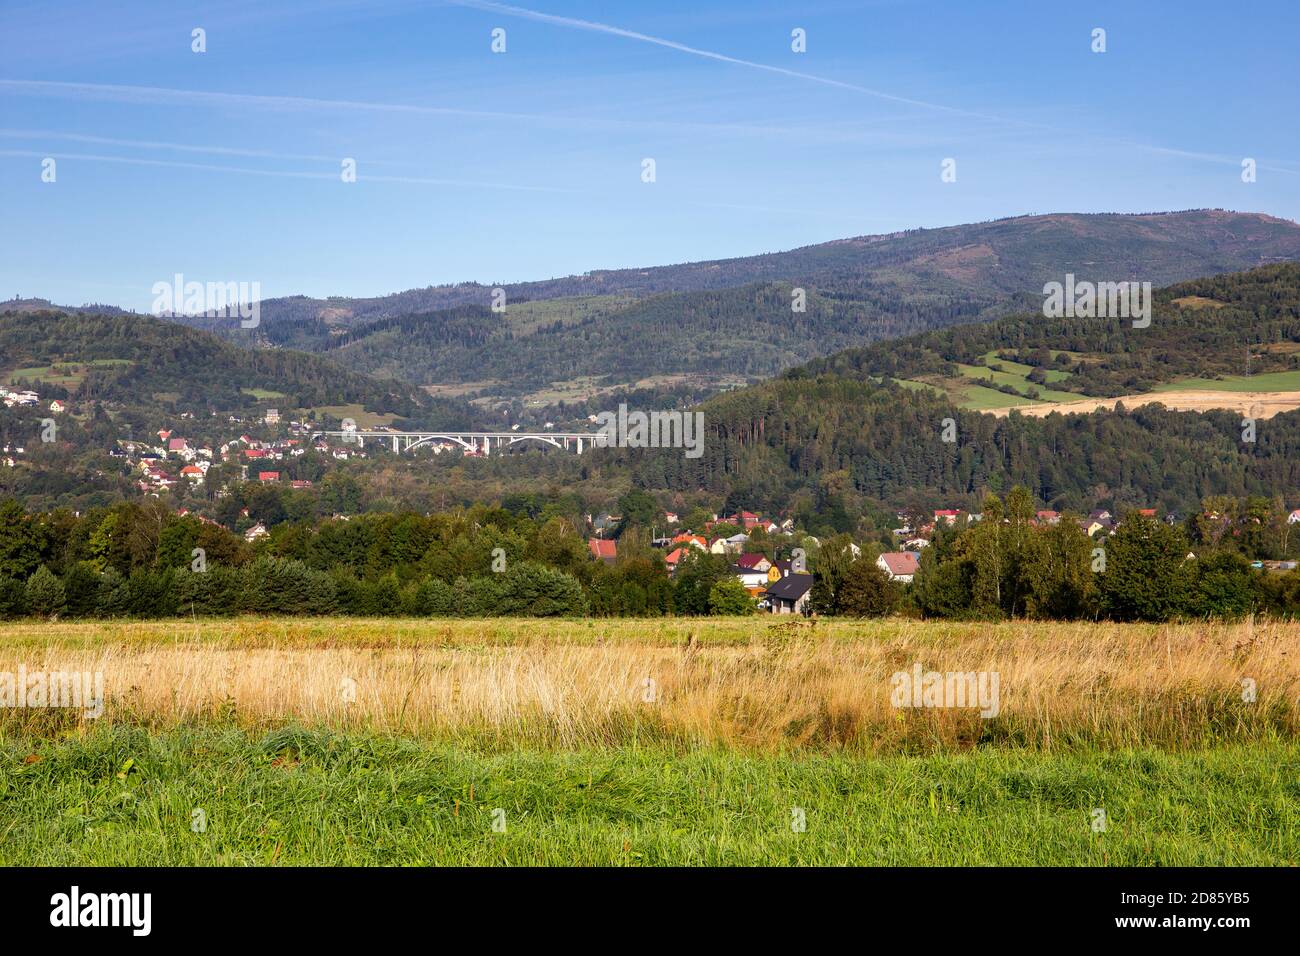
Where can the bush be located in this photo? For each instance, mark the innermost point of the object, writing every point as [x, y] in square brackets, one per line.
[474, 597]
[1147, 574]
[281, 586]
[534, 590]
[45, 595]
[151, 594]
[429, 598]
[866, 591]
[1225, 587]
[729, 597]
[13, 599]
[81, 587]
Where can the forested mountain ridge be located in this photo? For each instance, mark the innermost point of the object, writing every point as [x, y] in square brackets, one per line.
[145, 362]
[1222, 326]
[833, 446]
[733, 320]
[746, 333]
[841, 434]
[1006, 256]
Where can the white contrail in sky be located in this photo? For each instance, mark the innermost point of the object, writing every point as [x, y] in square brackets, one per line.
[158, 94]
[595, 27]
[171, 96]
[177, 147]
[287, 174]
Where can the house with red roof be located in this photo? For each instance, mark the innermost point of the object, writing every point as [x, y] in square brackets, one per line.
[899, 565]
[603, 549]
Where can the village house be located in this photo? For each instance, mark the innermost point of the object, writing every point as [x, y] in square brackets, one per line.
[737, 541]
[255, 532]
[181, 448]
[789, 595]
[756, 562]
[1094, 526]
[753, 580]
[899, 565]
[25, 397]
[603, 549]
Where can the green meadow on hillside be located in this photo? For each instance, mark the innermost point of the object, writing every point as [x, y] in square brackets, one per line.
[1266, 382]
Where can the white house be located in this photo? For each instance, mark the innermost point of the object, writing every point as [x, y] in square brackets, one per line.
[899, 565]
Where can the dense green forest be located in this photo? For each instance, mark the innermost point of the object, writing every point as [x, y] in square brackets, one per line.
[133, 360]
[746, 333]
[1236, 324]
[824, 444]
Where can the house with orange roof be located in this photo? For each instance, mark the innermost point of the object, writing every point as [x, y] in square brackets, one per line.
[603, 549]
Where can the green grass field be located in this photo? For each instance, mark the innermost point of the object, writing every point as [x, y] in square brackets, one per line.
[527, 317]
[530, 742]
[64, 374]
[357, 413]
[125, 797]
[262, 394]
[1014, 375]
[1267, 382]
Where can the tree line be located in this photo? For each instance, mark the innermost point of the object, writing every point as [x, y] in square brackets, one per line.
[133, 560]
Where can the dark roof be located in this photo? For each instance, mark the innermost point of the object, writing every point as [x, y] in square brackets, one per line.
[791, 587]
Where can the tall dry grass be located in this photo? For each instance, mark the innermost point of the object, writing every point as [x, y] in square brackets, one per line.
[744, 684]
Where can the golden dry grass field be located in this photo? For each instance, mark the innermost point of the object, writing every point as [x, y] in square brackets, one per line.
[1264, 404]
[632, 743]
[742, 683]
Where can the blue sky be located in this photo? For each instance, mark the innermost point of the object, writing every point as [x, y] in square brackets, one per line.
[471, 165]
